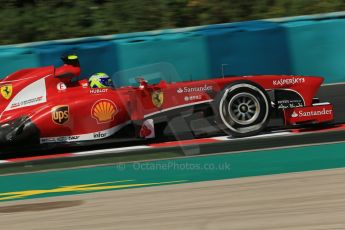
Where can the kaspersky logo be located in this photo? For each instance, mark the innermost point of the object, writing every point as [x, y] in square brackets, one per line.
[289, 81]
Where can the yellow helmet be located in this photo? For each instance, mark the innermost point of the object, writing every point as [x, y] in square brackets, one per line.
[100, 80]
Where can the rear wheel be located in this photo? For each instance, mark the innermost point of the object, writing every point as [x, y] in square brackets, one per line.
[242, 109]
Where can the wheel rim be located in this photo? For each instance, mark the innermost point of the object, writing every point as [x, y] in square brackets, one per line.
[244, 108]
[256, 125]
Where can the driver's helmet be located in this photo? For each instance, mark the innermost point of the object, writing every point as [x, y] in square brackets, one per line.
[100, 80]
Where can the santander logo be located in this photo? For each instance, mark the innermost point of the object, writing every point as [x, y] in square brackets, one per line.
[312, 113]
[294, 115]
[203, 88]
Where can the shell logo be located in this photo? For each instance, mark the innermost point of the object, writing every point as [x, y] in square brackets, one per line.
[104, 111]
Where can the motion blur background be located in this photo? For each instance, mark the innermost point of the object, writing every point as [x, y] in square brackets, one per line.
[184, 39]
[37, 20]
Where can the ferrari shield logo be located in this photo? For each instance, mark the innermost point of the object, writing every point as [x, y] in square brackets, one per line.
[6, 91]
[157, 98]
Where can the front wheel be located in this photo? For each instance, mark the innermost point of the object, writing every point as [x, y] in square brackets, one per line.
[242, 109]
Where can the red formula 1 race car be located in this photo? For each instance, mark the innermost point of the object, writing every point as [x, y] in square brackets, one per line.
[45, 105]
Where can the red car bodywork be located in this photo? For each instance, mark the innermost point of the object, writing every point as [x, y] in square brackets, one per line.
[65, 111]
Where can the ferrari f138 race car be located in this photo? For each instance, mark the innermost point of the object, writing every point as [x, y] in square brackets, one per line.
[46, 105]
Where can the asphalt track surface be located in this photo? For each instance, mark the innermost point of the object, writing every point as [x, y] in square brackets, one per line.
[296, 201]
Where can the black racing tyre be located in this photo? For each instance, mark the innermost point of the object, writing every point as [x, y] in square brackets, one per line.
[242, 109]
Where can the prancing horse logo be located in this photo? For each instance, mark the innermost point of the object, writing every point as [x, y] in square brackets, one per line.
[6, 91]
[157, 98]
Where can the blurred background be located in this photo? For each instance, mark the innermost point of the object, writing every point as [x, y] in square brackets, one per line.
[176, 40]
[37, 20]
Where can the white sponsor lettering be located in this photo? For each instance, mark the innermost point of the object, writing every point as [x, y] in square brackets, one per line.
[98, 90]
[61, 86]
[194, 89]
[59, 139]
[28, 102]
[302, 113]
[284, 104]
[85, 137]
[289, 81]
[33, 94]
[193, 98]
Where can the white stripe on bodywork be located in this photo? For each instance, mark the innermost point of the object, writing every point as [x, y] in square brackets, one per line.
[33, 94]
[322, 103]
[21, 79]
[84, 137]
[177, 107]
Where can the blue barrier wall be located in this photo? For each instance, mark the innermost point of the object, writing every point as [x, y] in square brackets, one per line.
[95, 56]
[12, 59]
[248, 48]
[186, 52]
[305, 45]
[317, 48]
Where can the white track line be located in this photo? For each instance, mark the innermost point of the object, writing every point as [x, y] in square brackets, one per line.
[113, 150]
[228, 138]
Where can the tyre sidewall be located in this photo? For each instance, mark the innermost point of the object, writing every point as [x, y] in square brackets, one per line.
[237, 130]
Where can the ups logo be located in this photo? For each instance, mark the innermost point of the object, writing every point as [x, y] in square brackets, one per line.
[60, 114]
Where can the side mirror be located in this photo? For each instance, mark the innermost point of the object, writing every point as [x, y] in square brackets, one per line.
[142, 82]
